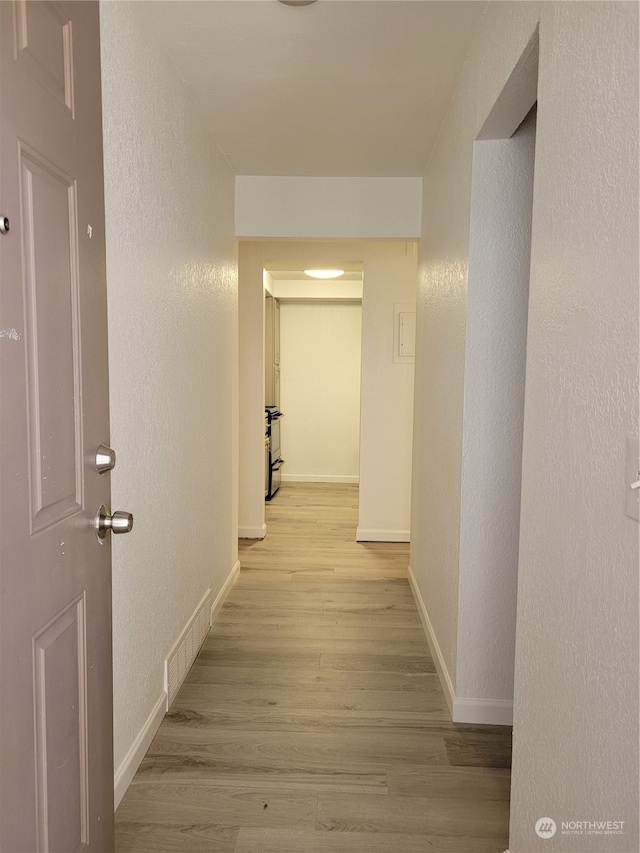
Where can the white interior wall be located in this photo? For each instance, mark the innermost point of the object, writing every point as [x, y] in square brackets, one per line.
[386, 433]
[172, 295]
[268, 282]
[251, 278]
[386, 389]
[326, 208]
[320, 346]
[324, 289]
[576, 677]
[495, 360]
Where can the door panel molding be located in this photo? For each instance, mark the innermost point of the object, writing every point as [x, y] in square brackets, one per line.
[43, 43]
[60, 718]
[51, 294]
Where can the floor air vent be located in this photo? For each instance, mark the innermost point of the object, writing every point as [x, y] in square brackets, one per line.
[182, 655]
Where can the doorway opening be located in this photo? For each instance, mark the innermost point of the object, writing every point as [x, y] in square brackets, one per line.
[370, 440]
[494, 399]
[312, 368]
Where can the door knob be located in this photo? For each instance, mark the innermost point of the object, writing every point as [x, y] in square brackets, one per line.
[119, 522]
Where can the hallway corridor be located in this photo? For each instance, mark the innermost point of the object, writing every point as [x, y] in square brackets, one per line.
[313, 720]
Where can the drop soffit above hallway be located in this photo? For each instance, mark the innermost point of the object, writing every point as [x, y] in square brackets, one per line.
[337, 88]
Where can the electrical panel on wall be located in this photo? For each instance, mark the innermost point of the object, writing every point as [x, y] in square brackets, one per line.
[404, 332]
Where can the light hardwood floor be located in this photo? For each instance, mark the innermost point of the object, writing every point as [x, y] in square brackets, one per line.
[313, 720]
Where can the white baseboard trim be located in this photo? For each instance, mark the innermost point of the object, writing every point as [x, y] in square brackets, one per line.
[133, 759]
[221, 597]
[320, 478]
[364, 535]
[441, 667]
[252, 532]
[492, 712]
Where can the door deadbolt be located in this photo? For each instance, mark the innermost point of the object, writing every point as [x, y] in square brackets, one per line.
[105, 459]
[119, 522]
[4, 225]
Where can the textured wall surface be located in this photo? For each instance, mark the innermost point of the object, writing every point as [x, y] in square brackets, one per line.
[386, 388]
[320, 347]
[495, 358]
[172, 311]
[576, 691]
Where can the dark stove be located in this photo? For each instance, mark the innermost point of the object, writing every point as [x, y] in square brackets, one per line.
[275, 460]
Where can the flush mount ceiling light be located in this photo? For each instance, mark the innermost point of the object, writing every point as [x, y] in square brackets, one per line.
[296, 2]
[323, 273]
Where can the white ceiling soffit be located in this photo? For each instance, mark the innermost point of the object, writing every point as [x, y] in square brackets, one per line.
[338, 88]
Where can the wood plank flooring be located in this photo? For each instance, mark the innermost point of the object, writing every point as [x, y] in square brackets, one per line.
[312, 720]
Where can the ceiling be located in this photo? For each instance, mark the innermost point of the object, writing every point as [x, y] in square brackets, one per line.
[294, 270]
[337, 88]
